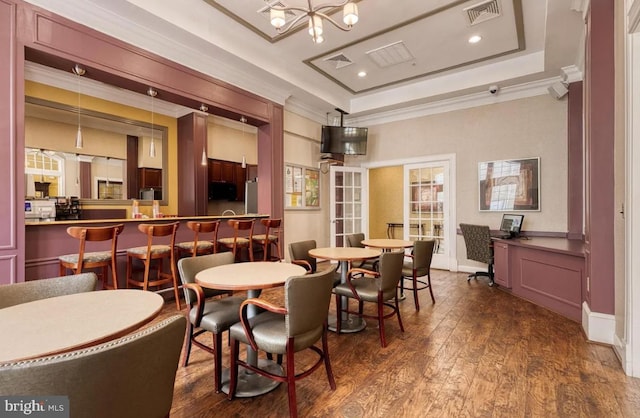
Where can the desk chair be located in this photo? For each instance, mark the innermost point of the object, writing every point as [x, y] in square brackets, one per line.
[239, 241]
[158, 253]
[200, 245]
[287, 330]
[96, 259]
[129, 377]
[477, 239]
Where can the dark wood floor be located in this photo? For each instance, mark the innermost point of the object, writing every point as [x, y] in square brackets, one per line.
[478, 352]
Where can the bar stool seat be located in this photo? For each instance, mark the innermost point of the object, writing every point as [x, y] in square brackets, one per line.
[94, 259]
[201, 246]
[157, 253]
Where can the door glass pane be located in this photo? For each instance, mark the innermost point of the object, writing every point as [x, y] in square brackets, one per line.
[426, 205]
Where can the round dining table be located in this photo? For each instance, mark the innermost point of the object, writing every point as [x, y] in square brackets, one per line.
[252, 277]
[70, 322]
[387, 243]
[345, 255]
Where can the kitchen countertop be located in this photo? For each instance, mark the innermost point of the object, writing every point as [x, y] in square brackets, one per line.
[146, 220]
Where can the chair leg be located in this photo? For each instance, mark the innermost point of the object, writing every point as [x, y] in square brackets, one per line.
[383, 341]
[338, 313]
[291, 380]
[114, 272]
[187, 344]
[327, 362]
[233, 375]
[415, 292]
[174, 276]
[217, 355]
[398, 313]
[433, 300]
[105, 277]
[63, 270]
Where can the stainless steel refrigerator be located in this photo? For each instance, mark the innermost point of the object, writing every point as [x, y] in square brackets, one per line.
[251, 197]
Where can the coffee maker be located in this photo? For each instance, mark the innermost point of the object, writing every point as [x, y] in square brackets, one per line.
[67, 208]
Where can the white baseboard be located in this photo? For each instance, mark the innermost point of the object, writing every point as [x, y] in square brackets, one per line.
[598, 327]
[471, 269]
[620, 348]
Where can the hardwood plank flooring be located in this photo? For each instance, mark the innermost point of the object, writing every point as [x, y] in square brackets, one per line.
[476, 352]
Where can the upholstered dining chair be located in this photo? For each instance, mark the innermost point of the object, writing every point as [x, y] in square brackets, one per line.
[355, 240]
[115, 379]
[297, 326]
[200, 244]
[299, 254]
[379, 287]
[477, 239]
[85, 259]
[155, 253]
[208, 310]
[271, 237]
[239, 241]
[418, 269]
[15, 294]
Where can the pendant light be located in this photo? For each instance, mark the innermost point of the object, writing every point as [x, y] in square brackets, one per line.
[79, 72]
[152, 147]
[204, 161]
[243, 120]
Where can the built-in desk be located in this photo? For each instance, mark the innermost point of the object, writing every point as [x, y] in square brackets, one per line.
[549, 272]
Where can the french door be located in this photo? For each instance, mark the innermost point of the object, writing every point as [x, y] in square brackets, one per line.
[348, 203]
[427, 208]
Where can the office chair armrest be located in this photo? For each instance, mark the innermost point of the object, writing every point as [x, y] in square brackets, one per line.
[200, 299]
[260, 303]
[303, 263]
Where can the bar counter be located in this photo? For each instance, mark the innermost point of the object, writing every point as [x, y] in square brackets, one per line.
[46, 241]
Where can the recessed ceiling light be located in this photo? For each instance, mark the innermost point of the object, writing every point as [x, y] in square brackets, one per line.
[475, 39]
[362, 74]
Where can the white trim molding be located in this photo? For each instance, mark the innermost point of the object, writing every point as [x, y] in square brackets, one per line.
[598, 327]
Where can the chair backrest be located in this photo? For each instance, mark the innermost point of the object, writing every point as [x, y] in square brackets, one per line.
[422, 256]
[271, 224]
[307, 301]
[15, 294]
[300, 251]
[98, 233]
[116, 379]
[189, 267]
[159, 230]
[204, 228]
[241, 225]
[390, 269]
[355, 240]
[477, 239]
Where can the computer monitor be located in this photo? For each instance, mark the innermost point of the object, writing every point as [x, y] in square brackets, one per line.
[511, 224]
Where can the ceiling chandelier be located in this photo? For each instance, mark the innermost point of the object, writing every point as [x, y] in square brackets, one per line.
[315, 15]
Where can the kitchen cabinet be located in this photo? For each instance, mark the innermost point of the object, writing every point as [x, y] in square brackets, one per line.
[240, 177]
[231, 172]
[150, 178]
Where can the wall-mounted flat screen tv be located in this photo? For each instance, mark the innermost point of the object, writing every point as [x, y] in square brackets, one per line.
[346, 140]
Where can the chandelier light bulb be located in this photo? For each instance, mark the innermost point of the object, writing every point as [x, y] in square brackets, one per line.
[350, 14]
[315, 26]
[277, 18]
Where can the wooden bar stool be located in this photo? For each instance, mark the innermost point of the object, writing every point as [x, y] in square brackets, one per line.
[238, 242]
[158, 253]
[90, 260]
[270, 237]
[200, 246]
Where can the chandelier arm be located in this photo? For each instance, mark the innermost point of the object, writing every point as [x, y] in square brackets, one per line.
[286, 28]
[329, 6]
[333, 22]
[284, 9]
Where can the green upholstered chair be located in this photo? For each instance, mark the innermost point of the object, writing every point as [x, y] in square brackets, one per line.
[355, 240]
[130, 377]
[209, 310]
[297, 326]
[15, 294]
[379, 287]
[299, 254]
[418, 269]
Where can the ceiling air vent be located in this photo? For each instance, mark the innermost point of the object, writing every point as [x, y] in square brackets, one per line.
[392, 54]
[340, 60]
[482, 12]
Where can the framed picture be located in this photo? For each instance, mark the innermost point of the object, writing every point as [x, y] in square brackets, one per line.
[508, 185]
[302, 187]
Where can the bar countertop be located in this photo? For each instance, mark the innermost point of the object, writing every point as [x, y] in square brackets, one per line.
[146, 220]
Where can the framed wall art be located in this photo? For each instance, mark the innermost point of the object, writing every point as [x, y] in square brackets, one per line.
[509, 185]
[302, 187]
